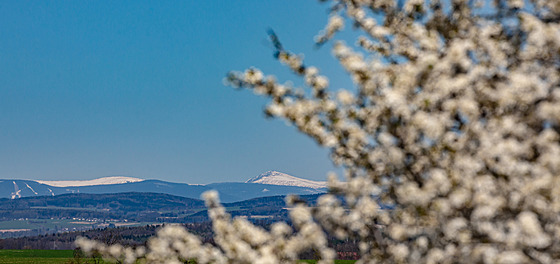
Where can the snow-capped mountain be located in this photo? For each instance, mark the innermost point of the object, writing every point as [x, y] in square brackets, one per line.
[99, 181]
[279, 178]
[267, 184]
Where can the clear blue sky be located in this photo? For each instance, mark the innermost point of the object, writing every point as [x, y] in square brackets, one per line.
[97, 88]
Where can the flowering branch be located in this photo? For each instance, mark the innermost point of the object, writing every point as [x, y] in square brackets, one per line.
[454, 124]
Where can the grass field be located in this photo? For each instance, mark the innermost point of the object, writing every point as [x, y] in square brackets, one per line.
[33, 256]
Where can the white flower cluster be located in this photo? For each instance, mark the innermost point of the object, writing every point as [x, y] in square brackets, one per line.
[450, 142]
[335, 24]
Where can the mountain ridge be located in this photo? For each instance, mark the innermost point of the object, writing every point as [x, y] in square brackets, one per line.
[99, 181]
[274, 184]
[279, 178]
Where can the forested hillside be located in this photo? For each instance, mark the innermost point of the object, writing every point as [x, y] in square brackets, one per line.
[32, 216]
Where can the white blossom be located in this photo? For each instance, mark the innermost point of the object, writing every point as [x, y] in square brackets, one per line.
[454, 123]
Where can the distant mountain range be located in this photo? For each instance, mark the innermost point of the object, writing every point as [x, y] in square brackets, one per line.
[271, 183]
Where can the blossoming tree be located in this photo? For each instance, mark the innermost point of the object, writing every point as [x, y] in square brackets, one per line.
[454, 122]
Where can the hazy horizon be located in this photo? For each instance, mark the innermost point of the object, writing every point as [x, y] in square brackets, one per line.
[132, 176]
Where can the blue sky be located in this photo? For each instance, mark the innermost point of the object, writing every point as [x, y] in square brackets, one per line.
[98, 88]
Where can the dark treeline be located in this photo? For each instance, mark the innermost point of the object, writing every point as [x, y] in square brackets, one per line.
[137, 236]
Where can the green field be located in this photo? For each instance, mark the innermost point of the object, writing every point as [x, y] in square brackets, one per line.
[33, 256]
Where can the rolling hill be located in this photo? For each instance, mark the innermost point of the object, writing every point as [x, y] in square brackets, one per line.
[267, 184]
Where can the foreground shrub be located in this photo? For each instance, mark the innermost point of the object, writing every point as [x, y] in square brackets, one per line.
[454, 123]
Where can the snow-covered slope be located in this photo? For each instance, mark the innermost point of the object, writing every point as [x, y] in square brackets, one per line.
[100, 181]
[279, 178]
[270, 183]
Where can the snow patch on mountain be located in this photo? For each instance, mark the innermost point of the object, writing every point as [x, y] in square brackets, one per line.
[100, 181]
[31, 189]
[17, 191]
[279, 178]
